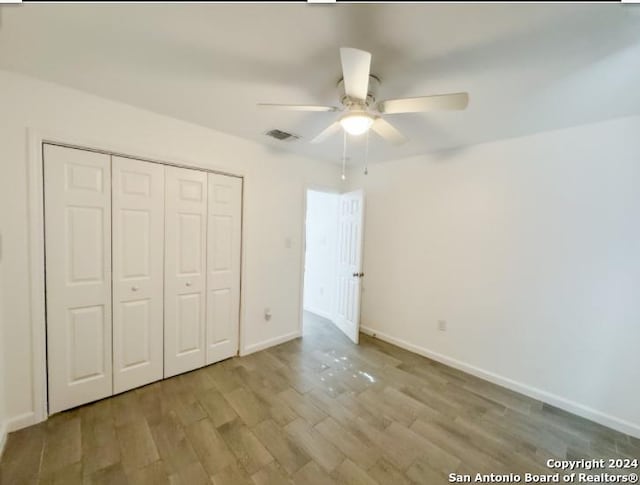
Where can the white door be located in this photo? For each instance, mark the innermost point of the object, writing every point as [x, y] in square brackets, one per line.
[77, 197]
[138, 272]
[223, 266]
[350, 227]
[185, 269]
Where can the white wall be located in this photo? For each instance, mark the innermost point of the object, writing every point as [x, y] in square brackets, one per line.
[275, 184]
[529, 248]
[3, 414]
[320, 259]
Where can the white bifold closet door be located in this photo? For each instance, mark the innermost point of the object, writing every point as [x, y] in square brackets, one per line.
[78, 277]
[142, 272]
[185, 269]
[223, 266]
[138, 272]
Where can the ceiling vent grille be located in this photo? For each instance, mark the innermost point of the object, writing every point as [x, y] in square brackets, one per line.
[282, 135]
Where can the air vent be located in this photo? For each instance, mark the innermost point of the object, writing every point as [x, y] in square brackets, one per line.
[282, 135]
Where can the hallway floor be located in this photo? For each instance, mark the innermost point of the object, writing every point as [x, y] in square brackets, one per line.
[316, 410]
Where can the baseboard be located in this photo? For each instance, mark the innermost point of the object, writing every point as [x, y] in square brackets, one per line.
[14, 424]
[549, 398]
[21, 421]
[320, 313]
[3, 437]
[250, 349]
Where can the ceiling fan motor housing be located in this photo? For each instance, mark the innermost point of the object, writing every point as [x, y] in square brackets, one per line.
[372, 92]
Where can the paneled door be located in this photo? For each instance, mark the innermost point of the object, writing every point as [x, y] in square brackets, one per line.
[185, 269]
[223, 266]
[350, 226]
[138, 272]
[77, 198]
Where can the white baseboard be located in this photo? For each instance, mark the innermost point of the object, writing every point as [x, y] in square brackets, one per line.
[250, 349]
[14, 424]
[320, 313]
[553, 399]
[3, 437]
[21, 421]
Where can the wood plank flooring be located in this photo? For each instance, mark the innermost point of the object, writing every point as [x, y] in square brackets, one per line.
[317, 410]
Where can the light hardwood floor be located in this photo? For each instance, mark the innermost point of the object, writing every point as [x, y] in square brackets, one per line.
[316, 410]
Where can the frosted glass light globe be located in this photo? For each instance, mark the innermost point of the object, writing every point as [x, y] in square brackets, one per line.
[356, 123]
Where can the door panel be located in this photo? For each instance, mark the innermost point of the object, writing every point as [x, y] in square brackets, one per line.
[136, 226]
[223, 266]
[86, 331]
[85, 230]
[138, 272]
[136, 336]
[350, 227]
[189, 311]
[77, 194]
[185, 269]
[190, 247]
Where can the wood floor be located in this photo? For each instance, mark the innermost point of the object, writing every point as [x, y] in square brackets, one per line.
[316, 410]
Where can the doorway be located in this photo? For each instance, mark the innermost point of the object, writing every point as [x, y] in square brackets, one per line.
[333, 262]
[321, 243]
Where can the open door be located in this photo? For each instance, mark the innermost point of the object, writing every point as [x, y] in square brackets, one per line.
[349, 274]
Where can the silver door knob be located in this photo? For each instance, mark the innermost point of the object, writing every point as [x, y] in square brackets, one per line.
[134, 288]
[188, 283]
[355, 275]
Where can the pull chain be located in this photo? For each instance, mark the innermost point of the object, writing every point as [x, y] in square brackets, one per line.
[366, 155]
[344, 154]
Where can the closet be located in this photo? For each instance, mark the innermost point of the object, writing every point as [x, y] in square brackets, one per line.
[142, 272]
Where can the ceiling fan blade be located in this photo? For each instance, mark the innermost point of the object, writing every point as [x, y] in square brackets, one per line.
[387, 131]
[425, 103]
[298, 107]
[355, 72]
[327, 132]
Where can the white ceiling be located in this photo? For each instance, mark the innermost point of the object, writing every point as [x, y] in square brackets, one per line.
[527, 67]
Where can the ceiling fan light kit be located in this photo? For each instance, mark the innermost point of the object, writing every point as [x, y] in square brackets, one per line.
[357, 122]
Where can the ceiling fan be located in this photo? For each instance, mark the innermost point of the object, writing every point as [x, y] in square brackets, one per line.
[358, 98]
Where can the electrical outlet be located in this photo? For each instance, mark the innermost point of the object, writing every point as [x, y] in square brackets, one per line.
[267, 314]
[442, 325]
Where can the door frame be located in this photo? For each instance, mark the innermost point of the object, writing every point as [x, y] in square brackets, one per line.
[37, 289]
[303, 247]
